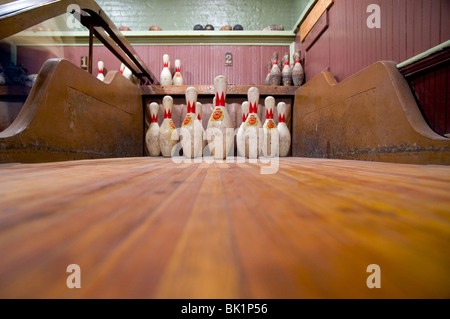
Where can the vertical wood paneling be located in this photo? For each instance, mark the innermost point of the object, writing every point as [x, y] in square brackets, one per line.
[445, 20]
[447, 101]
[318, 57]
[408, 28]
[403, 35]
[200, 64]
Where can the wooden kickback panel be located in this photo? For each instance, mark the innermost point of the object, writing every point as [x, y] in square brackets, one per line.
[70, 114]
[150, 228]
[371, 115]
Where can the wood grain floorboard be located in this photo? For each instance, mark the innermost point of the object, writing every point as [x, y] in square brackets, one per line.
[149, 228]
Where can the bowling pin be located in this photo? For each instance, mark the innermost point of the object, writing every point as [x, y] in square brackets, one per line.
[240, 140]
[286, 73]
[283, 130]
[166, 76]
[220, 132]
[152, 135]
[298, 73]
[269, 68]
[168, 135]
[270, 131]
[177, 78]
[275, 72]
[191, 133]
[252, 126]
[100, 66]
[122, 68]
[199, 111]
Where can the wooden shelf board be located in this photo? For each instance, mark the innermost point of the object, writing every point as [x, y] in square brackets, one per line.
[209, 89]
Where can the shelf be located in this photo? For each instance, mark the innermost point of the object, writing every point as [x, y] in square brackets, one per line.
[68, 38]
[14, 90]
[209, 90]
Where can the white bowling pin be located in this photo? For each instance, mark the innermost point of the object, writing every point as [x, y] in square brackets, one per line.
[166, 75]
[199, 111]
[240, 140]
[298, 73]
[220, 132]
[283, 130]
[270, 131]
[253, 126]
[191, 133]
[168, 135]
[122, 67]
[286, 72]
[177, 78]
[100, 66]
[275, 72]
[152, 135]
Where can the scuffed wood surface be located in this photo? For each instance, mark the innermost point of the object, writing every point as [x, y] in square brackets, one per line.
[209, 89]
[149, 228]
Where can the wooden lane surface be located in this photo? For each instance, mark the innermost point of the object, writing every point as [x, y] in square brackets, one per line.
[149, 228]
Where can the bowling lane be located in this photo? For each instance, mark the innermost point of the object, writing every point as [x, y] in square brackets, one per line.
[157, 228]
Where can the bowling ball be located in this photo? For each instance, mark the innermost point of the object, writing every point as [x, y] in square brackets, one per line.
[209, 27]
[238, 27]
[155, 28]
[198, 27]
[226, 28]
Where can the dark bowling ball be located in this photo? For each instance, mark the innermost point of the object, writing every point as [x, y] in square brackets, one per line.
[198, 27]
[238, 27]
[209, 27]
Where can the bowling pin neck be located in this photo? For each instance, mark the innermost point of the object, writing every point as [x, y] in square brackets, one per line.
[253, 108]
[220, 99]
[167, 113]
[198, 110]
[220, 88]
[281, 118]
[191, 107]
[178, 69]
[269, 114]
[166, 64]
[245, 109]
[100, 71]
[167, 103]
[191, 99]
[269, 102]
[154, 107]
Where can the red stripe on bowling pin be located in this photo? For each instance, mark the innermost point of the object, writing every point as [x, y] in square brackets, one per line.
[191, 108]
[167, 114]
[220, 101]
[253, 108]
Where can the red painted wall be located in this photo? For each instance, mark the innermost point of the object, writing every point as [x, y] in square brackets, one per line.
[200, 64]
[408, 27]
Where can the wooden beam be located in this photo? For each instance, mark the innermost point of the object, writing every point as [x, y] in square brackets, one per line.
[209, 89]
[315, 14]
